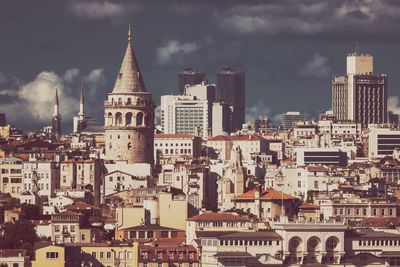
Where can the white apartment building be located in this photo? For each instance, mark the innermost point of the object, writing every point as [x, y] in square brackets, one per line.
[41, 176]
[184, 115]
[176, 145]
[122, 176]
[382, 141]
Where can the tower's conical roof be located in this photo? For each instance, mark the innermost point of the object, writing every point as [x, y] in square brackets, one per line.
[129, 77]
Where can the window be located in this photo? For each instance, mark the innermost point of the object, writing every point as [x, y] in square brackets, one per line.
[171, 255]
[72, 228]
[141, 234]
[108, 255]
[82, 237]
[164, 234]
[57, 228]
[94, 254]
[101, 255]
[298, 183]
[51, 255]
[150, 234]
[132, 234]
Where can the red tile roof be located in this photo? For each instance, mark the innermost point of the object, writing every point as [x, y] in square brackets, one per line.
[268, 194]
[380, 222]
[67, 213]
[317, 169]
[79, 205]
[208, 216]
[308, 206]
[253, 137]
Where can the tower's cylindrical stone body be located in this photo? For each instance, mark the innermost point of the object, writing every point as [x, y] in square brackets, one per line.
[129, 115]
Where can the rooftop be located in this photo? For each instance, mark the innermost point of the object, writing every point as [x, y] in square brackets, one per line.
[211, 216]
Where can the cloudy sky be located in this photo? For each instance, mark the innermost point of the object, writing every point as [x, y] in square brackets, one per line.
[289, 50]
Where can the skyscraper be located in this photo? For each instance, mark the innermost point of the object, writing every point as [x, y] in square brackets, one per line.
[129, 115]
[189, 76]
[360, 95]
[231, 89]
[56, 119]
[290, 118]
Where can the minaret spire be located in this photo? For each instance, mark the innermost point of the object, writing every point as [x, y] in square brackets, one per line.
[56, 103]
[56, 119]
[81, 105]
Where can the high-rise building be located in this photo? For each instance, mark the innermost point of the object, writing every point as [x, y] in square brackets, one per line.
[221, 118]
[203, 91]
[231, 89]
[129, 115]
[360, 95]
[184, 114]
[189, 76]
[56, 119]
[289, 119]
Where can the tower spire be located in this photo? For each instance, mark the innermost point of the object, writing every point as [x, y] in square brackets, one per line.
[130, 33]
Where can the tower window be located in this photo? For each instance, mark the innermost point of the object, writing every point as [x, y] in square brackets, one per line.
[129, 145]
[128, 118]
[118, 137]
[139, 119]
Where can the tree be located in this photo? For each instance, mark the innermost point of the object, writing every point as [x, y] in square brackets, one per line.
[30, 212]
[18, 234]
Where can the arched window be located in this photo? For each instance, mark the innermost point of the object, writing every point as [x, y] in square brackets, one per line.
[128, 101]
[331, 243]
[139, 119]
[109, 118]
[118, 118]
[128, 118]
[129, 145]
[119, 100]
[138, 101]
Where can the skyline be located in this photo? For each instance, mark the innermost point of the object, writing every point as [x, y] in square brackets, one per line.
[279, 60]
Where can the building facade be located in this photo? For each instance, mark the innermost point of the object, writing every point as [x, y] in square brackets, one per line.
[231, 89]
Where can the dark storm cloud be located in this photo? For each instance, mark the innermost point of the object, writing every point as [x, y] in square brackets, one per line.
[288, 49]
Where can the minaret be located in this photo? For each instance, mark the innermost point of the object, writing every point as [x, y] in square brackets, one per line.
[129, 114]
[81, 113]
[56, 119]
[80, 124]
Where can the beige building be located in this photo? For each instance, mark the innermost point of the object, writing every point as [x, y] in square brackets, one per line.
[249, 144]
[11, 176]
[164, 206]
[355, 208]
[68, 227]
[81, 175]
[129, 115]
[107, 254]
